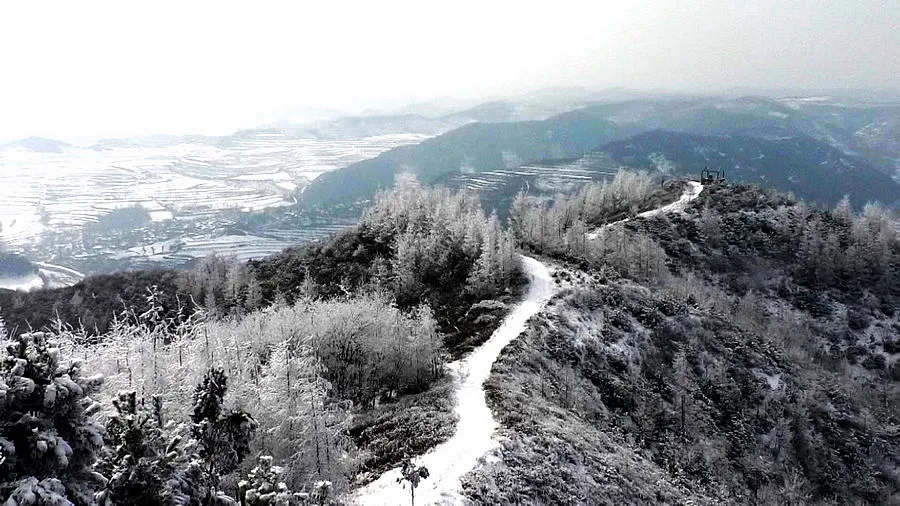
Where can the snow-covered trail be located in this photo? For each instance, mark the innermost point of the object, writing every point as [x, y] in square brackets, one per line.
[449, 461]
[53, 267]
[56, 276]
[690, 193]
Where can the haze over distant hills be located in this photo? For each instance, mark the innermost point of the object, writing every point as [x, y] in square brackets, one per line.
[818, 147]
[203, 192]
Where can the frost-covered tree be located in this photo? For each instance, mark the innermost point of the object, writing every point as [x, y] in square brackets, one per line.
[370, 349]
[48, 437]
[435, 236]
[254, 297]
[558, 224]
[407, 264]
[843, 211]
[496, 260]
[634, 255]
[321, 493]
[303, 427]
[710, 225]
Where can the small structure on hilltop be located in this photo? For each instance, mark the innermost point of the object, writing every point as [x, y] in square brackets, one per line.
[708, 176]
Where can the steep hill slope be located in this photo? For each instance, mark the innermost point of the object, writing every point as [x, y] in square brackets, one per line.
[857, 128]
[810, 168]
[745, 351]
[473, 148]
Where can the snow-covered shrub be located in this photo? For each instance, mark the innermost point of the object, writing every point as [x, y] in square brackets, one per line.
[48, 437]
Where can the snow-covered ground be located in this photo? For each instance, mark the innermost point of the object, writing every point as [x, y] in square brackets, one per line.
[24, 283]
[691, 192]
[43, 192]
[56, 276]
[474, 436]
[48, 276]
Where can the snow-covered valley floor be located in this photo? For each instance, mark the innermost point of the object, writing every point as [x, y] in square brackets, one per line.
[43, 193]
[474, 436]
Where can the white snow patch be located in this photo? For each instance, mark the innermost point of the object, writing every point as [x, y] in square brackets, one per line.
[59, 268]
[448, 462]
[272, 176]
[160, 215]
[23, 283]
[287, 185]
[773, 380]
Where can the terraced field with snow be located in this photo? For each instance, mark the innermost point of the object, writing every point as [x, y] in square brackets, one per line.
[40, 192]
[261, 243]
[549, 177]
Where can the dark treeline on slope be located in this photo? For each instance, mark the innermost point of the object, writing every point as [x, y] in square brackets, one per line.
[93, 303]
[757, 363]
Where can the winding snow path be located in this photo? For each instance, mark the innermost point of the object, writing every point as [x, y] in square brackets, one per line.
[449, 461]
[690, 193]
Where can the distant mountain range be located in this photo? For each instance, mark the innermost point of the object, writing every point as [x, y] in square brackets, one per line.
[872, 132]
[817, 147]
[38, 145]
[429, 118]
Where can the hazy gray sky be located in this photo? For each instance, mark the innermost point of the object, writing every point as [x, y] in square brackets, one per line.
[77, 69]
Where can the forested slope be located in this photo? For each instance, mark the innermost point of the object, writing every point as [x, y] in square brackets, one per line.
[810, 168]
[329, 369]
[742, 352]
